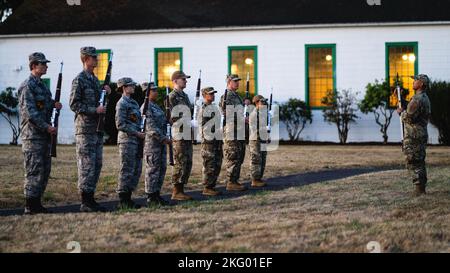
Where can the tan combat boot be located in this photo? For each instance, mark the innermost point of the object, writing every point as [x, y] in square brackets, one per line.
[231, 186]
[420, 190]
[211, 192]
[178, 193]
[258, 184]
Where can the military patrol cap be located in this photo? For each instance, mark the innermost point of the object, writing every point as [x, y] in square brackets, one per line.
[423, 78]
[152, 86]
[125, 82]
[38, 57]
[233, 77]
[259, 98]
[208, 90]
[89, 51]
[179, 75]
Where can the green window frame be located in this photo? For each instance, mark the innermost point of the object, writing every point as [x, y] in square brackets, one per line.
[415, 46]
[318, 46]
[165, 50]
[102, 51]
[255, 67]
[46, 82]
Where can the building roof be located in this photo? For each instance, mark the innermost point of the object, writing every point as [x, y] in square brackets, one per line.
[49, 16]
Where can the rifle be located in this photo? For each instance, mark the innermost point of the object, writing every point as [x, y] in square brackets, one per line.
[399, 97]
[196, 110]
[269, 118]
[55, 114]
[169, 127]
[247, 95]
[224, 109]
[103, 99]
[144, 117]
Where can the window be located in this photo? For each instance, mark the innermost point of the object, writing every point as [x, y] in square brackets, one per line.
[320, 72]
[102, 66]
[167, 61]
[241, 61]
[46, 82]
[401, 58]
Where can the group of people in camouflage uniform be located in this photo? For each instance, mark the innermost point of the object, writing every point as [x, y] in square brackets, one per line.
[36, 106]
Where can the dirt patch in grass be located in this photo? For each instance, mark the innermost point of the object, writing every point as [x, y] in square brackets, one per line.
[287, 160]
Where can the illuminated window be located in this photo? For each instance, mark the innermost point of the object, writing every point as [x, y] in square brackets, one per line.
[320, 72]
[401, 58]
[241, 61]
[102, 66]
[167, 61]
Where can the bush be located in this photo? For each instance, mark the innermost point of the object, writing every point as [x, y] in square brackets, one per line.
[8, 109]
[295, 114]
[439, 95]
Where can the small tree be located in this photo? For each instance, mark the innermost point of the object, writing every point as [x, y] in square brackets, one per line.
[340, 109]
[8, 109]
[376, 101]
[439, 95]
[295, 114]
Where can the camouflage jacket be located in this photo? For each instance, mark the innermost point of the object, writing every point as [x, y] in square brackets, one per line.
[84, 99]
[258, 124]
[235, 100]
[156, 124]
[36, 107]
[180, 98]
[416, 116]
[210, 117]
[128, 120]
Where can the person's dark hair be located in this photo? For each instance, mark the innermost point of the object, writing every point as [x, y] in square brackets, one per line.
[33, 63]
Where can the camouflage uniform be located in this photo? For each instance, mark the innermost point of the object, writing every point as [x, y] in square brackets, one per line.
[212, 152]
[415, 120]
[36, 106]
[257, 157]
[233, 147]
[182, 149]
[84, 99]
[128, 122]
[155, 151]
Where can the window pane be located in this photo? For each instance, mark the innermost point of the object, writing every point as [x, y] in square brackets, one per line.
[102, 66]
[168, 62]
[402, 60]
[320, 74]
[243, 62]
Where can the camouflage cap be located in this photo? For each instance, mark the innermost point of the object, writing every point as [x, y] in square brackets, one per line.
[233, 77]
[125, 82]
[423, 78]
[89, 51]
[208, 90]
[179, 75]
[152, 86]
[259, 98]
[38, 57]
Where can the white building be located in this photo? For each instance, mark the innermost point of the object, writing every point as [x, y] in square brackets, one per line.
[299, 56]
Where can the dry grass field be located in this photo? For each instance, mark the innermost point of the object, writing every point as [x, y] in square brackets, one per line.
[334, 216]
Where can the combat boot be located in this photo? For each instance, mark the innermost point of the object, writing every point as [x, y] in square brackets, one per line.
[155, 199]
[235, 186]
[125, 201]
[178, 193]
[88, 203]
[211, 191]
[258, 184]
[33, 206]
[420, 190]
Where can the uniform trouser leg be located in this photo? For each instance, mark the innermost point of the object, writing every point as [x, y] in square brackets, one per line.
[234, 156]
[257, 160]
[130, 167]
[212, 155]
[182, 152]
[37, 164]
[89, 150]
[155, 168]
[415, 153]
